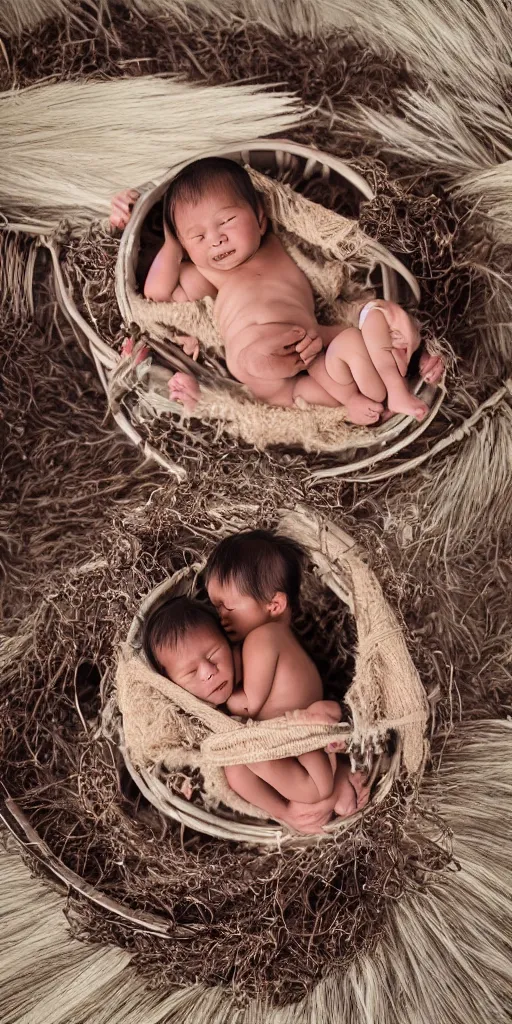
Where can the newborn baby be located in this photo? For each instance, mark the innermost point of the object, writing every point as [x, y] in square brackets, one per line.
[264, 304]
[253, 580]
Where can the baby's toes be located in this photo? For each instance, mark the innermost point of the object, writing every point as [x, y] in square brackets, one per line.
[361, 789]
[431, 368]
[370, 412]
[419, 410]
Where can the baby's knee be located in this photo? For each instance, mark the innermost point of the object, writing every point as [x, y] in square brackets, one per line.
[345, 340]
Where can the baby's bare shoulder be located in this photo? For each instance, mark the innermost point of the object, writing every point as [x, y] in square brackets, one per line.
[272, 634]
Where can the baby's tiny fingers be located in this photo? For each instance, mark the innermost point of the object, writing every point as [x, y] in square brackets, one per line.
[118, 221]
[336, 747]
[121, 205]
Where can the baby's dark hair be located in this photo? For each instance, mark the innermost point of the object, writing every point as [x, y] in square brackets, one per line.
[169, 623]
[197, 178]
[259, 563]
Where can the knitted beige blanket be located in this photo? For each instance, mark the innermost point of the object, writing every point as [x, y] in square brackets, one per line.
[164, 724]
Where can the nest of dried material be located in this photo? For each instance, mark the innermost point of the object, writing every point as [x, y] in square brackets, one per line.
[241, 918]
[87, 531]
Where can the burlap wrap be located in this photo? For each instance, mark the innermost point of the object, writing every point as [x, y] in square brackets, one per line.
[163, 724]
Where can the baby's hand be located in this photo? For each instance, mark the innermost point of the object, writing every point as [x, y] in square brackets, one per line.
[185, 389]
[189, 345]
[121, 207]
[309, 347]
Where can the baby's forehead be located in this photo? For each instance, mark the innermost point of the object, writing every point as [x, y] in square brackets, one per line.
[218, 196]
[230, 585]
[197, 637]
[194, 640]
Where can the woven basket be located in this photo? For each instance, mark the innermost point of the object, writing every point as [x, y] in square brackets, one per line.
[396, 284]
[320, 539]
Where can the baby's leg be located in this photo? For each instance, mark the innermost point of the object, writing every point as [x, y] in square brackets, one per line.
[321, 767]
[244, 782]
[308, 782]
[377, 337]
[346, 372]
[310, 818]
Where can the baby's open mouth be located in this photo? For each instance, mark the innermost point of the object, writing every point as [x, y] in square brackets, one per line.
[222, 255]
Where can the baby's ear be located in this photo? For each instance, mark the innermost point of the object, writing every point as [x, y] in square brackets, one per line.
[278, 604]
[262, 218]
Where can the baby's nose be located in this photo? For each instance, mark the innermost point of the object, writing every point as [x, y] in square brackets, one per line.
[208, 670]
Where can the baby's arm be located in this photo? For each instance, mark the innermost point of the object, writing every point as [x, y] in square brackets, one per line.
[278, 351]
[169, 278]
[259, 662]
[164, 271]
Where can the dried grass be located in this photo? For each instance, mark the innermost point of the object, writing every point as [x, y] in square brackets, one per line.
[87, 530]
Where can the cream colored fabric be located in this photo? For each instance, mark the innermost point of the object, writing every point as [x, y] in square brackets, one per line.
[386, 692]
[164, 724]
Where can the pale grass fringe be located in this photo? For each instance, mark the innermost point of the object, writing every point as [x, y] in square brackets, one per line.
[66, 148]
[469, 495]
[444, 957]
[463, 123]
[17, 16]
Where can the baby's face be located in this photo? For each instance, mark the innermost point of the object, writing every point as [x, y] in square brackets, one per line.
[219, 232]
[201, 663]
[239, 613]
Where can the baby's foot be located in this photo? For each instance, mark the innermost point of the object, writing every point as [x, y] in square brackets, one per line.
[408, 404]
[309, 818]
[361, 788]
[362, 410]
[345, 794]
[185, 389]
[431, 368]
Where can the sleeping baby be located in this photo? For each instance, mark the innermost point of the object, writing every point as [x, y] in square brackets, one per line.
[253, 580]
[264, 305]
